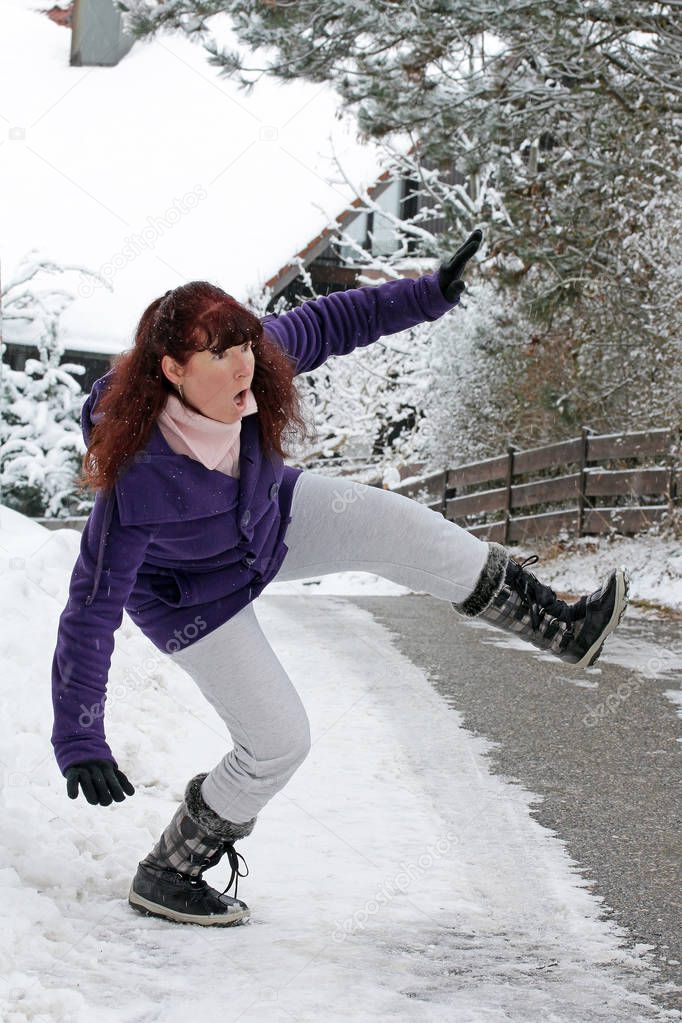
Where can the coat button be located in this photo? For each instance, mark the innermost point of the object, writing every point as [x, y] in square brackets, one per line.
[273, 491]
[245, 517]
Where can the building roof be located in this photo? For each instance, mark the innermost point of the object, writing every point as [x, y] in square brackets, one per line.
[159, 171]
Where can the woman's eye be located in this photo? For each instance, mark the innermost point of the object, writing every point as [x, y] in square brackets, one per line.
[245, 347]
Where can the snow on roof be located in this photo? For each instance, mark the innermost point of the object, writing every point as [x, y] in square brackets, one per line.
[158, 171]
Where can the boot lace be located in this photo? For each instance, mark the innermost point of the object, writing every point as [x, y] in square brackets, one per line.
[540, 600]
[199, 884]
[233, 858]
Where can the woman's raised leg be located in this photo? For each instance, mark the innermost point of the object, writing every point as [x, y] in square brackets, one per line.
[340, 525]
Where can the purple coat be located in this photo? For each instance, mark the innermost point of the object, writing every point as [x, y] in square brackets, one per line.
[181, 547]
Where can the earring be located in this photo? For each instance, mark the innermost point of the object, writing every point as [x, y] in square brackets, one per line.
[182, 393]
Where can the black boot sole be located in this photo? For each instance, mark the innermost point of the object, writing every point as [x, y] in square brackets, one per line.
[147, 908]
[619, 605]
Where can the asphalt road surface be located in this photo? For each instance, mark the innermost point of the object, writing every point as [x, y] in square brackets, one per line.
[602, 748]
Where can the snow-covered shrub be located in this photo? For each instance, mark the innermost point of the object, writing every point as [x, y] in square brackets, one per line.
[41, 445]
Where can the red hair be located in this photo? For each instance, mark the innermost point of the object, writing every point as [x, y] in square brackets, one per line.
[193, 317]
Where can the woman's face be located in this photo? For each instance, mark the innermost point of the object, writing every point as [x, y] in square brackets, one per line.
[211, 380]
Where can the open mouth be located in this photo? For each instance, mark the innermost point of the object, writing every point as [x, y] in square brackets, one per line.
[240, 399]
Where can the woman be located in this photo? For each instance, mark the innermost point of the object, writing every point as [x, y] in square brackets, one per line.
[195, 513]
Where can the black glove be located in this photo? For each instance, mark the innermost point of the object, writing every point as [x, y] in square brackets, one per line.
[99, 779]
[449, 273]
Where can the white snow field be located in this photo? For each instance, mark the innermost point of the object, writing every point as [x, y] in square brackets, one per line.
[394, 877]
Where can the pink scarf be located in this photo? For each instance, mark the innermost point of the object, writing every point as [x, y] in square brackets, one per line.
[214, 444]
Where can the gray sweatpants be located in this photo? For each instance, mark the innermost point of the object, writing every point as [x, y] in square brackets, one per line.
[336, 525]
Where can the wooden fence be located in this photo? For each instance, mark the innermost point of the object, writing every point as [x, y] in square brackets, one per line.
[590, 484]
[487, 497]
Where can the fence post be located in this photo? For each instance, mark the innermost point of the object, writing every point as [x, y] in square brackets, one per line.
[510, 476]
[585, 433]
[445, 492]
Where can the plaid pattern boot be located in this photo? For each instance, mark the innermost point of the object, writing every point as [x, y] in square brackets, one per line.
[510, 597]
[168, 882]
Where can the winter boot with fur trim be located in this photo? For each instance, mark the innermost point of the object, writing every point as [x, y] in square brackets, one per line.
[510, 597]
[168, 882]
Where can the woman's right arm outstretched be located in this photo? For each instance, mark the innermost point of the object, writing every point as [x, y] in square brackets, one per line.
[101, 582]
